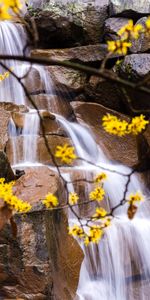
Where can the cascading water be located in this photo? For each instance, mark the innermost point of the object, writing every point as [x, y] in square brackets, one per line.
[119, 266]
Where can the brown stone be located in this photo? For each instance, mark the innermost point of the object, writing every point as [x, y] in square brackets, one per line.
[116, 148]
[142, 44]
[112, 26]
[37, 264]
[89, 53]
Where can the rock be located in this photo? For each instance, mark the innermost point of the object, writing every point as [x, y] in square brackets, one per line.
[5, 168]
[124, 7]
[47, 115]
[124, 149]
[7, 110]
[56, 31]
[81, 23]
[103, 92]
[42, 154]
[142, 44]
[68, 77]
[135, 67]
[89, 53]
[31, 263]
[112, 26]
[59, 102]
[33, 82]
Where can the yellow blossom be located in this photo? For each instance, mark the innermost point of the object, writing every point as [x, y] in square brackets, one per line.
[94, 236]
[97, 194]
[50, 201]
[76, 231]
[137, 125]
[11, 200]
[100, 177]
[6, 6]
[114, 125]
[73, 198]
[100, 213]
[137, 197]
[65, 153]
[147, 27]
[130, 30]
[119, 47]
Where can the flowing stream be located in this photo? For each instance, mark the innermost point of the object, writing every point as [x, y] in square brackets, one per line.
[118, 268]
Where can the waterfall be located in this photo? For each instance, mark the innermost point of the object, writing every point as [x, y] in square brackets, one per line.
[118, 268]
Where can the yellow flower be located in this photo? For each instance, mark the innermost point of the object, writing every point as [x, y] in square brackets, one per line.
[130, 31]
[97, 194]
[65, 153]
[94, 236]
[76, 231]
[100, 213]
[50, 201]
[114, 125]
[6, 6]
[119, 47]
[137, 125]
[147, 27]
[137, 197]
[100, 177]
[73, 198]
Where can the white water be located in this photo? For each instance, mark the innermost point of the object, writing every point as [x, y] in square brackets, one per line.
[119, 266]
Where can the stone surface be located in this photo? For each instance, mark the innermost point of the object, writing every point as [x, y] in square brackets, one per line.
[68, 77]
[5, 168]
[112, 26]
[59, 102]
[126, 6]
[104, 92]
[89, 53]
[142, 44]
[135, 67]
[116, 148]
[56, 31]
[37, 265]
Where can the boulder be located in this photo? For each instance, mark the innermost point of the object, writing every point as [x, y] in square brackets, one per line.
[70, 24]
[102, 91]
[56, 31]
[126, 7]
[142, 44]
[37, 265]
[124, 149]
[112, 26]
[135, 67]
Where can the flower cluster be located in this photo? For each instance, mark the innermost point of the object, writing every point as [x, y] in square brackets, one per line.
[137, 197]
[119, 47]
[6, 193]
[6, 6]
[73, 198]
[50, 201]
[97, 194]
[126, 34]
[65, 153]
[4, 76]
[114, 125]
[100, 177]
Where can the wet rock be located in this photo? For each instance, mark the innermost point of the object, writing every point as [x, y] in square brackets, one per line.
[124, 149]
[42, 154]
[33, 81]
[142, 44]
[112, 26]
[37, 264]
[59, 102]
[124, 7]
[5, 168]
